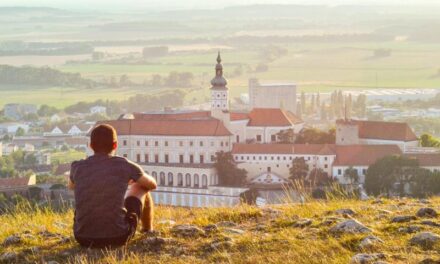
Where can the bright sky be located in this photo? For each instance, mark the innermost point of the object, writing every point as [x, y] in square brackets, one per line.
[187, 4]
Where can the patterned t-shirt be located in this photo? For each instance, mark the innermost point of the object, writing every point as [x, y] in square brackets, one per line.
[101, 182]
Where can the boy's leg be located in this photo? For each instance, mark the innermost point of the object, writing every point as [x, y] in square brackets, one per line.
[147, 214]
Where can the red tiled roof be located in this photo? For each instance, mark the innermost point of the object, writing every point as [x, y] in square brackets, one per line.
[173, 116]
[14, 182]
[235, 116]
[363, 155]
[306, 149]
[426, 159]
[203, 127]
[274, 117]
[383, 130]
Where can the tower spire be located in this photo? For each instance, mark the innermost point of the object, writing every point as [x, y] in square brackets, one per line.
[219, 58]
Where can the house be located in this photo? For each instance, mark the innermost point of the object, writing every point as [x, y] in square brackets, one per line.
[8, 149]
[10, 186]
[349, 132]
[11, 128]
[68, 130]
[270, 163]
[429, 161]
[18, 111]
[98, 109]
[359, 157]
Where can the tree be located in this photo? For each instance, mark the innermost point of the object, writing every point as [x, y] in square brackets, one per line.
[316, 136]
[20, 132]
[427, 140]
[351, 175]
[286, 136]
[318, 177]
[323, 112]
[303, 102]
[299, 110]
[299, 170]
[46, 110]
[386, 172]
[228, 172]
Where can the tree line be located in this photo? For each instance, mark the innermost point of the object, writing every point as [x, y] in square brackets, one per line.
[28, 75]
[339, 106]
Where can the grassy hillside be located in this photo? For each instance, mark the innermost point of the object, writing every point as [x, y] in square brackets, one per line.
[281, 234]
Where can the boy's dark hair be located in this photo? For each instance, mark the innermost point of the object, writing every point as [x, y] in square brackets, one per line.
[102, 138]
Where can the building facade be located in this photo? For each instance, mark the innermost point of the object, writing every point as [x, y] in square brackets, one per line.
[272, 95]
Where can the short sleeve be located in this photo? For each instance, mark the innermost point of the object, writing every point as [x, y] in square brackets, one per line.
[73, 171]
[135, 171]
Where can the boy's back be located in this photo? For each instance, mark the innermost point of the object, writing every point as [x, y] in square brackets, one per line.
[101, 182]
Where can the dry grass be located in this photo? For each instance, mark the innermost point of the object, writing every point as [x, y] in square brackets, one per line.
[278, 242]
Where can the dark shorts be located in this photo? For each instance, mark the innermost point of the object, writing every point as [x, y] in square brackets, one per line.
[134, 211]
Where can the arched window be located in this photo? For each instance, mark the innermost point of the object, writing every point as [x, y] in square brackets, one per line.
[188, 180]
[196, 181]
[180, 179]
[204, 181]
[154, 174]
[170, 179]
[162, 178]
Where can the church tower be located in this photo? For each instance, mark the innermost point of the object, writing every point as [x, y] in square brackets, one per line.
[219, 91]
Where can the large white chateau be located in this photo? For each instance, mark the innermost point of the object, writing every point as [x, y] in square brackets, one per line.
[178, 147]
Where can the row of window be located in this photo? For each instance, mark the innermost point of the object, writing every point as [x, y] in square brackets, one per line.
[166, 158]
[181, 143]
[246, 157]
[186, 181]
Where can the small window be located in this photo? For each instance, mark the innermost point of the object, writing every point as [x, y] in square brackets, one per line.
[146, 143]
[273, 138]
[212, 143]
[181, 158]
[221, 144]
[201, 143]
[191, 143]
[166, 158]
[156, 143]
[202, 159]
[138, 157]
[138, 143]
[339, 171]
[191, 159]
[166, 143]
[124, 142]
[156, 158]
[258, 138]
[326, 166]
[125, 155]
[147, 159]
[181, 143]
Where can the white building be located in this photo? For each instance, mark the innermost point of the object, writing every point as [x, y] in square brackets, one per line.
[98, 109]
[270, 163]
[12, 127]
[352, 132]
[18, 111]
[272, 95]
[178, 148]
[359, 157]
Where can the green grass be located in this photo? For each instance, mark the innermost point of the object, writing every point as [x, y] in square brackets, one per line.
[279, 242]
[67, 156]
[313, 66]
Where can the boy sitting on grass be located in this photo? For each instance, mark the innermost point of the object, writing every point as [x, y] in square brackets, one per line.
[111, 194]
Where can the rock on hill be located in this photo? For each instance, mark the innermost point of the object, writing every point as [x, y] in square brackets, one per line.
[338, 231]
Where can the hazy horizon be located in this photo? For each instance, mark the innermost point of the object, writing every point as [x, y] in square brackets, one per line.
[119, 5]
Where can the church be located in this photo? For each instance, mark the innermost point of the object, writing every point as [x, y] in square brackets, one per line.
[178, 147]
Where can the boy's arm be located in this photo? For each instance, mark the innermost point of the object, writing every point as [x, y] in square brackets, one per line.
[71, 185]
[147, 182]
